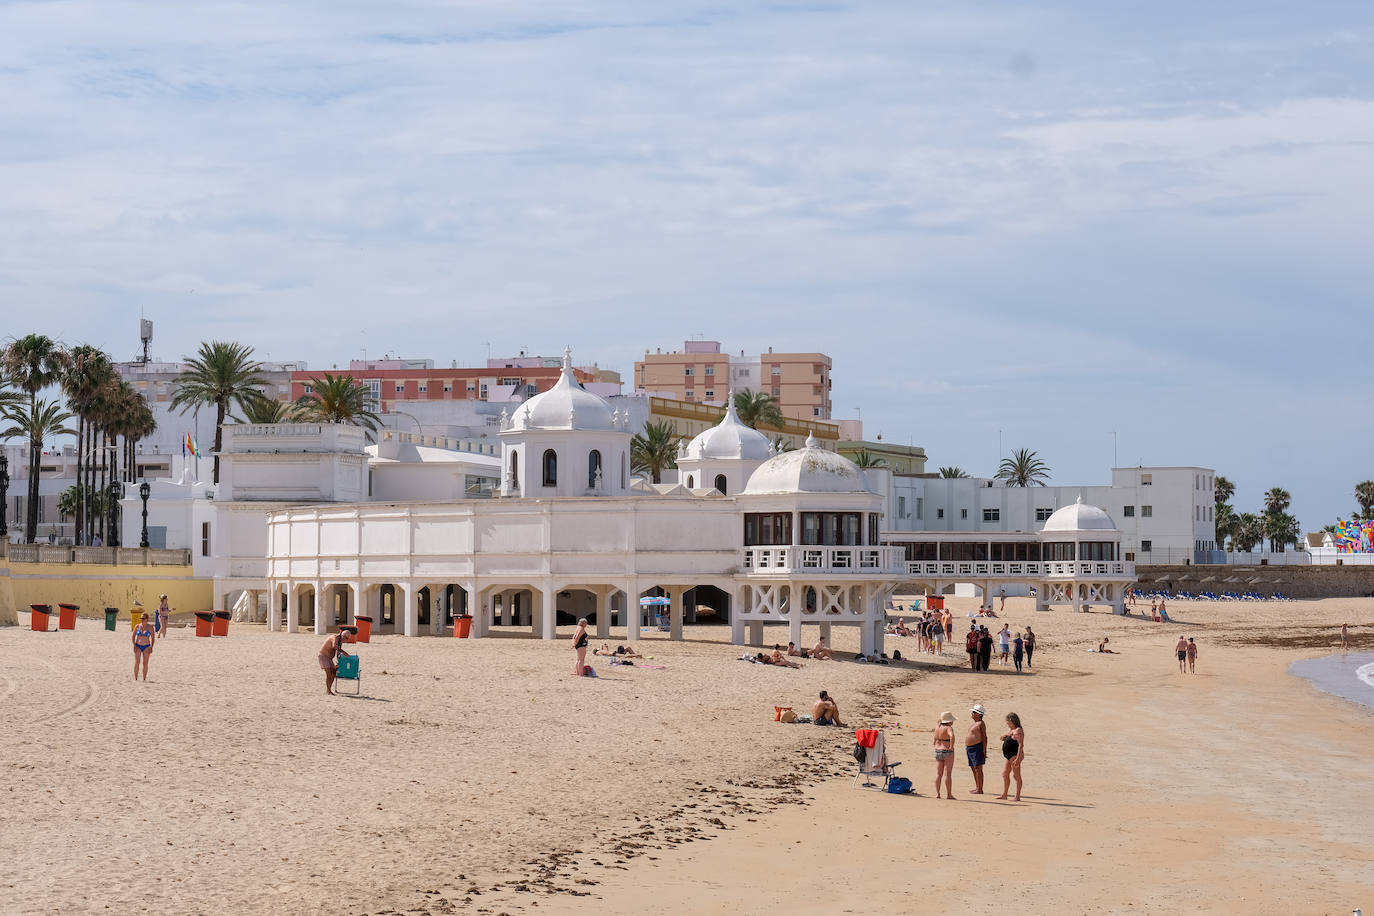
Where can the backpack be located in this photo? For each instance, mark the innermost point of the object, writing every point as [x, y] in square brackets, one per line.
[859, 752]
[896, 655]
[899, 785]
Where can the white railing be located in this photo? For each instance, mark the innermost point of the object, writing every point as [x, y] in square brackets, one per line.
[475, 446]
[1020, 569]
[844, 560]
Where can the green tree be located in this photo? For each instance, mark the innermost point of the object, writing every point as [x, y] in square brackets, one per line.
[89, 371]
[266, 411]
[1364, 495]
[1281, 529]
[44, 421]
[338, 399]
[953, 471]
[1248, 532]
[1226, 523]
[223, 374]
[654, 451]
[1023, 469]
[32, 363]
[756, 409]
[1223, 489]
[866, 459]
[1277, 500]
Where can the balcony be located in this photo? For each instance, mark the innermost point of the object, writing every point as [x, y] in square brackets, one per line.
[1049, 570]
[856, 561]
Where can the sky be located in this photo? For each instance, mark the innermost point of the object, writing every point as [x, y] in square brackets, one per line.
[1129, 232]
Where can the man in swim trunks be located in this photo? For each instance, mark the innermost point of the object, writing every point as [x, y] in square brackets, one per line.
[976, 747]
[826, 711]
[329, 657]
[1181, 650]
[821, 651]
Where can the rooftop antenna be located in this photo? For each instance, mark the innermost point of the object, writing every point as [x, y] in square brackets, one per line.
[145, 334]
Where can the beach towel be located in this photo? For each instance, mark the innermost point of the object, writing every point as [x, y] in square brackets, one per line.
[867, 737]
[876, 761]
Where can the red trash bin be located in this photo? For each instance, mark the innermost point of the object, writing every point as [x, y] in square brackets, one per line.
[38, 620]
[66, 617]
[364, 625]
[462, 626]
[935, 603]
[205, 623]
[221, 627]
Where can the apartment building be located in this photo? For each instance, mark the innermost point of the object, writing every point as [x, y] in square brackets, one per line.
[701, 373]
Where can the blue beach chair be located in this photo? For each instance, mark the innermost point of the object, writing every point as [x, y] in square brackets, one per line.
[349, 670]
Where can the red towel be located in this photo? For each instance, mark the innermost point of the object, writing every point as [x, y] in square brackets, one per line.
[867, 737]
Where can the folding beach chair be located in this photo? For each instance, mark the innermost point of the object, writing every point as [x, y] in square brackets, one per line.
[874, 744]
[349, 666]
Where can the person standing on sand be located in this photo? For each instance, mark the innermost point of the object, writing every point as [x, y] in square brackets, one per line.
[164, 614]
[976, 747]
[1017, 650]
[1002, 606]
[984, 647]
[949, 625]
[580, 647]
[1030, 645]
[1004, 643]
[944, 755]
[1192, 656]
[1181, 650]
[971, 645]
[329, 657]
[143, 638]
[1345, 636]
[1013, 749]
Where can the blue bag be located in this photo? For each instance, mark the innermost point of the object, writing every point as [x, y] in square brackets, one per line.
[899, 785]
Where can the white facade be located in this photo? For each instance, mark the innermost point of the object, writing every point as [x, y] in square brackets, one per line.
[1164, 514]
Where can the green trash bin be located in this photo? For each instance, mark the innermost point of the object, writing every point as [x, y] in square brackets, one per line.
[111, 614]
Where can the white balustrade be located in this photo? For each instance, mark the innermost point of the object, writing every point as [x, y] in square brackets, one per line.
[858, 560]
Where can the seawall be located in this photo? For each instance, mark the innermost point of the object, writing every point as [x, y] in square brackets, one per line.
[1293, 581]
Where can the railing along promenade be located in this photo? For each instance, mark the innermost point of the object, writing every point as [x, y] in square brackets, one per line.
[109, 556]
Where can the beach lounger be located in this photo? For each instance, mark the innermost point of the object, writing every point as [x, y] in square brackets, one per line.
[349, 671]
[874, 743]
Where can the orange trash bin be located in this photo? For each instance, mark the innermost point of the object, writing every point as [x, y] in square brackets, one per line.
[205, 623]
[462, 626]
[221, 627]
[364, 625]
[38, 620]
[66, 617]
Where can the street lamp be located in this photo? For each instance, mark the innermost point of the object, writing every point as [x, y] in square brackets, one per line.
[116, 494]
[4, 494]
[143, 491]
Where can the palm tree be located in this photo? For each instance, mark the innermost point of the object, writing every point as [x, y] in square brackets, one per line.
[1277, 500]
[1364, 495]
[756, 409]
[953, 471]
[1248, 532]
[266, 411]
[1226, 523]
[89, 371]
[1222, 489]
[222, 373]
[866, 459]
[1281, 529]
[45, 420]
[32, 363]
[337, 399]
[781, 444]
[655, 450]
[1023, 469]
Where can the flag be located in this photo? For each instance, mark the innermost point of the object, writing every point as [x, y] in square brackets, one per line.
[195, 448]
[183, 447]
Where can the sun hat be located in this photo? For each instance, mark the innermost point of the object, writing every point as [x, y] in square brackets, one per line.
[978, 708]
[946, 718]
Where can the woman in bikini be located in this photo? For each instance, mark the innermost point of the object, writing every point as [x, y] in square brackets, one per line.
[944, 754]
[1013, 749]
[164, 613]
[143, 639]
[580, 646]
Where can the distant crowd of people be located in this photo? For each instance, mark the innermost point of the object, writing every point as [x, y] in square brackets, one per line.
[1012, 649]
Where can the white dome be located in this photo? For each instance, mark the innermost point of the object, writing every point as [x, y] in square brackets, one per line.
[1080, 517]
[808, 470]
[730, 439]
[567, 405]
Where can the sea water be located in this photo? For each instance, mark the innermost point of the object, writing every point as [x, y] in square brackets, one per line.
[1346, 674]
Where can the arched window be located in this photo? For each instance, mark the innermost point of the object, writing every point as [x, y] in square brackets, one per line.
[691, 482]
[593, 469]
[550, 468]
[514, 469]
[720, 483]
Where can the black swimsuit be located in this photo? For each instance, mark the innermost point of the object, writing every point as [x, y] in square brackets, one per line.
[581, 642]
[1010, 747]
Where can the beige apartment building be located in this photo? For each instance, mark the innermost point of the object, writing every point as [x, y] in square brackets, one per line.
[701, 373]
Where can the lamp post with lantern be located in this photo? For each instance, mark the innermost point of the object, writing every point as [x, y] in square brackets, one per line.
[143, 491]
[116, 494]
[4, 495]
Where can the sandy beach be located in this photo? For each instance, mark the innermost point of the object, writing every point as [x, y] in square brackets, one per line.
[479, 776]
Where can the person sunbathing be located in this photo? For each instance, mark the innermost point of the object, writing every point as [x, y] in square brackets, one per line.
[821, 651]
[794, 651]
[1102, 647]
[622, 651]
[826, 711]
[782, 660]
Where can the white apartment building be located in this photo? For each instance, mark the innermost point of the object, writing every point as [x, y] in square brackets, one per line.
[1164, 514]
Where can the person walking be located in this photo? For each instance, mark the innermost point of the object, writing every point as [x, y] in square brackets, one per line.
[164, 615]
[1017, 650]
[1345, 636]
[1013, 750]
[976, 747]
[1030, 645]
[944, 754]
[971, 646]
[580, 647]
[984, 647]
[1181, 650]
[1192, 656]
[1003, 643]
[145, 634]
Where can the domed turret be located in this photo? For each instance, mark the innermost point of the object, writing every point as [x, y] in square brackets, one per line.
[567, 405]
[807, 470]
[730, 439]
[1079, 517]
